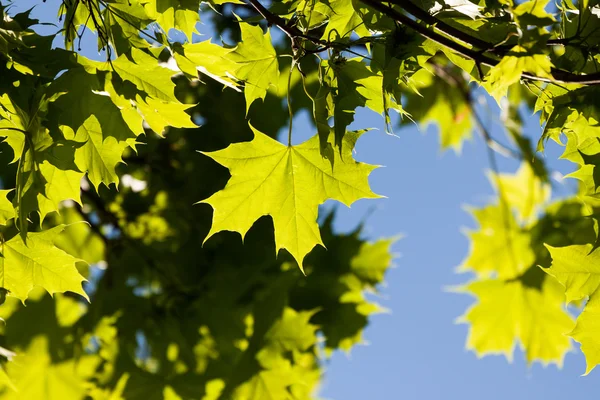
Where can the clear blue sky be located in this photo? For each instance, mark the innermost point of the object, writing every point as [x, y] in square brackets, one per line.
[417, 352]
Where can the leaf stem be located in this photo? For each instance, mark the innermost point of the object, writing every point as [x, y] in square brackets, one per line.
[289, 102]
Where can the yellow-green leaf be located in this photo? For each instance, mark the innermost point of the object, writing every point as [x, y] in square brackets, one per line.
[38, 262]
[509, 70]
[175, 14]
[98, 155]
[578, 271]
[288, 183]
[209, 59]
[256, 61]
[37, 376]
[373, 260]
[587, 332]
[524, 191]
[7, 210]
[509, 312]
[500, 246]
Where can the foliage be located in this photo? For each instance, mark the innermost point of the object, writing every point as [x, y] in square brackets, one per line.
[178, 307]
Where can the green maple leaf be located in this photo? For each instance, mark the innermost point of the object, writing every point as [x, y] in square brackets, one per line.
[586, 332]
[156, 101]
[38, 263]
[347, 85]
[509, 70]
[256, 61]
[288, 183]
[145, 73]
[436, 101]
[97, 155]
[49, 177]
[510, 311]
[13, 125]
[209, 59]
[174, 14]
[266, 385]
[533, 12]
[524, 191]
[577, 268]
[79, 240]
[37, 376]
[585, 153]
[7, 210]
[293, 331]
[160, 115]
[373, 260]
[500, 246]
[343, 19]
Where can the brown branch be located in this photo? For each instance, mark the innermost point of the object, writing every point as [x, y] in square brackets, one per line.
[449, 37]
[464, 37]
[290, 30]
[429, 19]
[449, 40]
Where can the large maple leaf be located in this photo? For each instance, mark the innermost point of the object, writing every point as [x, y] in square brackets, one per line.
[288, 183]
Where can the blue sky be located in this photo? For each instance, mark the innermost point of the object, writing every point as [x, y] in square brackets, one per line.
[416, 351]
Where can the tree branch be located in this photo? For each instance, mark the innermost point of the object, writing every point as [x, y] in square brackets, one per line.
[447, 36]
[450, 33]
[464, 37]
[449, 30]
[290, 30]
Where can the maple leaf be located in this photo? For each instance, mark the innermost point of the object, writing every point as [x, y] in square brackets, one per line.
[209, 59]
[293, 331]
[13, 125]
[343, 19]
[435, 101]
[500, 245]
[38, 377]
[373, 260]
[97, 155]
[266, 385]
[38, 263]
[511, 311]
[524, 191]
[142, 70]
[533, 12]
[510, 68]
[48, 178]
[347, 86]
[256, 61]
[6, 208]
[174, 14]
[288, 183]
[577, 268]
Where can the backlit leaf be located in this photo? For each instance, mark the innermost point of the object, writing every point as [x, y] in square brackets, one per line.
[288, 183]
[38, 262]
